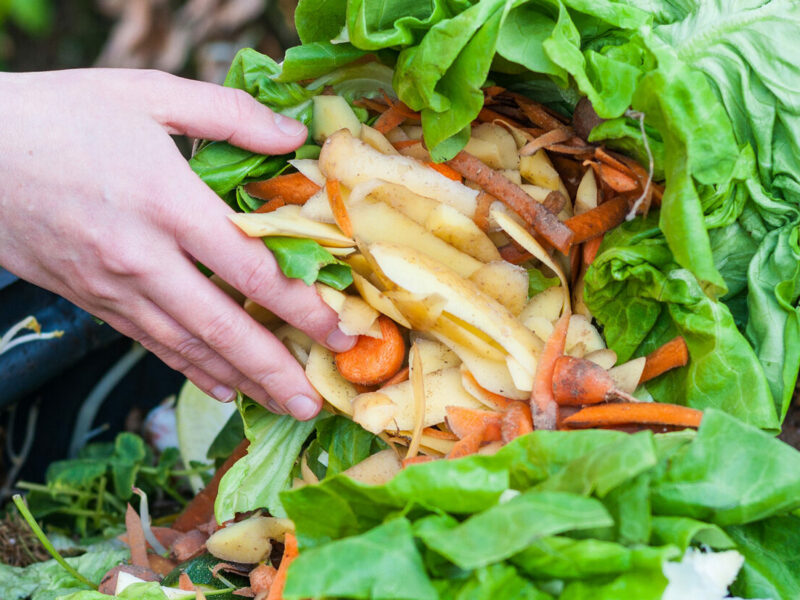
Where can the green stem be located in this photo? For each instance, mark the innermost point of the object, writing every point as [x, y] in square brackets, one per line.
[26, 514]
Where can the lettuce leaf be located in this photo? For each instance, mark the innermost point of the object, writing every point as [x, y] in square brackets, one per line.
[305, 259]
[256, 479]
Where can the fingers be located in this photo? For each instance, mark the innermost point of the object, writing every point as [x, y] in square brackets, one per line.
[205, 110]
[179, 350]
[212, 317]
[207, 234]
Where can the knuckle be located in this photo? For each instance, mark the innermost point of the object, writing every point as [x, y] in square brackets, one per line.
[224, 334]
[193, 350]
[256, 278]
[269, 375]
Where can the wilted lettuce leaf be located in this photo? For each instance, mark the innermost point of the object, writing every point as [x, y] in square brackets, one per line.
[257, 478]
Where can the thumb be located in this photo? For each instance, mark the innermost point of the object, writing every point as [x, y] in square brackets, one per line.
[205, 110]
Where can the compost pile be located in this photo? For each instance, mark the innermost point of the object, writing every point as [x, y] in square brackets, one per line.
[566, 236]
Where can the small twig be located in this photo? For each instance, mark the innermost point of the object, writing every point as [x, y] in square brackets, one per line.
[635, 114]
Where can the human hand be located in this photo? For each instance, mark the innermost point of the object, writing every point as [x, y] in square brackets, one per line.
[98, 205]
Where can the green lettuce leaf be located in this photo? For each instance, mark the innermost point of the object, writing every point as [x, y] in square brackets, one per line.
[559, 557]
[256, 479]
[507, 528]
[487, 583]
[384, 564]
[730, 474]
[346, 443]
[772, 564]
[305, 259]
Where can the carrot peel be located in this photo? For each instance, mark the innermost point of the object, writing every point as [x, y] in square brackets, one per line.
[465, 421]
[338, 208]
[577, 381]
[543, 403]
[671, 355]
[290, 552]
[639, 413]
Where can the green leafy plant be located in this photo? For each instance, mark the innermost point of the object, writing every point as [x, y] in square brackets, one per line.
[88, 495]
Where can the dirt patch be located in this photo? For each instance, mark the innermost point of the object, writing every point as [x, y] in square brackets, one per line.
[18, 546]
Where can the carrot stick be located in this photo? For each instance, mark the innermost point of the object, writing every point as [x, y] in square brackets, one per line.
[671, 355]
[499, 186]
[590, 248]
[294, 188]
[416, 460]
[289, 554]
[543, 404]
[389, 120]
[465, 421]
[617, 180]
[338, 208]
[201, 509]
[439, 434]
[372, 361]
[481, 217]
[448, 172]
[469, 444]
[577, 381]
[136, 540]
[554, 136]
[399, 377]
[634, 413]
[516, 421]
[597, 221]
[271, 205]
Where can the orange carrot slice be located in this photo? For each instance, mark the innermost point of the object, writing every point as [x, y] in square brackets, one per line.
[399, 377]
[617, 180]
[516, 421]
[439, 434]
[465, 421]
[467, 445]
[289, 554]
[294, 188]
[577, 381]
[389, 120]
[638, 413]
[372, 361]
[498, 185]
[338, 208]
[448, 172]
[671, 355]
[597, 221]
[501, 403]
[543, 403]
[590, 249]
[271, 205]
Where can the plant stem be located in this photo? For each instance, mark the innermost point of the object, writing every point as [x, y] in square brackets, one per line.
[26, 514]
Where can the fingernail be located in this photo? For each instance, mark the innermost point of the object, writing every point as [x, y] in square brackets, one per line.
[289, 126]
[276, 408]
[223, 393]
[339, 341]
[302, 407]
